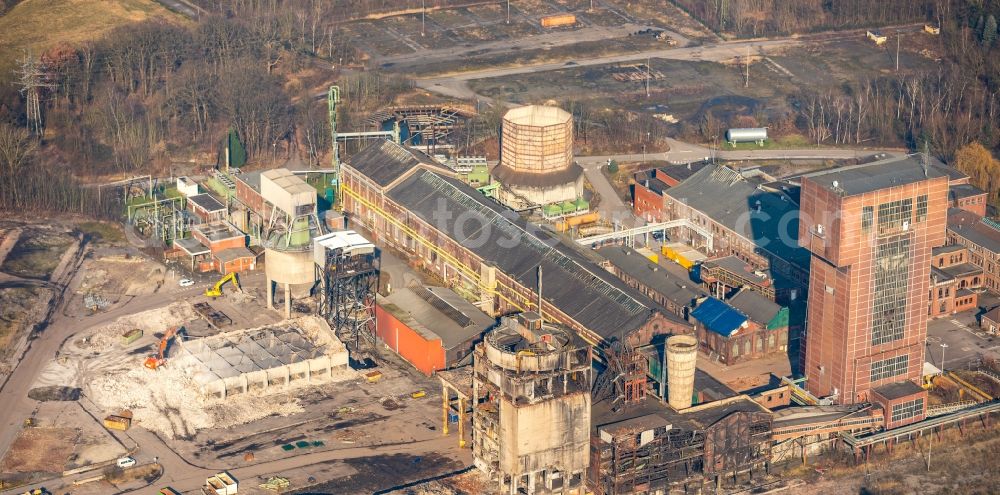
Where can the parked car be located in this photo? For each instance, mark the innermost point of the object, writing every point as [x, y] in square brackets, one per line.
[185, 282]
[126, 462]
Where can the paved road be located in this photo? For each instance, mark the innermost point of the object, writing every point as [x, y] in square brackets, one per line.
[681, 152]
[612, 207]
[964, 340]
[182, 7]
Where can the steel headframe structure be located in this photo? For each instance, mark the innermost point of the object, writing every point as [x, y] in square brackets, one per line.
[350, 285]
[624, 379]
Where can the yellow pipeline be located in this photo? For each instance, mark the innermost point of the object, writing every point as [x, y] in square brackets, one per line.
[443, 254]
[973, 388]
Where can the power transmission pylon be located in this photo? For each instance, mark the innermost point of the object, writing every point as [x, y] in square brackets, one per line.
[32, 80]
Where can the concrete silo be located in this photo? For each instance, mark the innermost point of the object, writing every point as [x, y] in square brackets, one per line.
[290, 224]
[682, 353]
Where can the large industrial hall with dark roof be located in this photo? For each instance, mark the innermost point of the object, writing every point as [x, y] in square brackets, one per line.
[478, 245]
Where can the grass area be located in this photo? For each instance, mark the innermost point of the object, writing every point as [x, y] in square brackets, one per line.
[105, 232]
[36, 25]
[37, 254]
[16, 304]
[161, 193]
[217, 187]
[961, 463]
[320, 182]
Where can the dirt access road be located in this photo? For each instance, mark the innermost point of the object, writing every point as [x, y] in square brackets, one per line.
[59, 328]
[455, 85]
[541, 41]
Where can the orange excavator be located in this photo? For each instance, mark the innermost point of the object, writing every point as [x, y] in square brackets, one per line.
[160, 358]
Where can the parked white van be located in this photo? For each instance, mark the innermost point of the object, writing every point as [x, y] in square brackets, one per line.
[126, 462]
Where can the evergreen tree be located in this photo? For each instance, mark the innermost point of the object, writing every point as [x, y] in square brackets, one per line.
[989, 31]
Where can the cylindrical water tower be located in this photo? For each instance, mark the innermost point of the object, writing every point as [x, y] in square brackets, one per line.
[537, 139]
[682, 352]
[536, 155]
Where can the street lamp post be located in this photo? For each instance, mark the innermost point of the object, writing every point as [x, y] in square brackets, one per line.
[423, 14]
[943, 347]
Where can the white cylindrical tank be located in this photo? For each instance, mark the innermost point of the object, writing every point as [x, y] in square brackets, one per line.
[682, 352]
[747, 135]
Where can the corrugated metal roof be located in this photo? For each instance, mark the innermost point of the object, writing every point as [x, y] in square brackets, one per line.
[439, 312]
[757, 307]
[730, 199]
[289, 182]
[386, 161]
[719, 317]
[673, 288]
[232, 254]
[573, 282]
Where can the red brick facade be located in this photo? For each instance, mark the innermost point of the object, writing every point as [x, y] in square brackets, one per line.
[973, 204]
[983, 242]
[647, 204]
[901, 411]
[749, 343]
[850, 326]
[953, 282]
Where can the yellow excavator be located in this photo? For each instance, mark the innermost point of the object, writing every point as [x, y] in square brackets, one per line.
[216, 290]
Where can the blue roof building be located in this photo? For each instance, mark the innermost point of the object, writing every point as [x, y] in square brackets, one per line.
[719, 317]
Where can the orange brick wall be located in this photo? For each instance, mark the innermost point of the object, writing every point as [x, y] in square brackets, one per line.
[647, 204]
[238, 265]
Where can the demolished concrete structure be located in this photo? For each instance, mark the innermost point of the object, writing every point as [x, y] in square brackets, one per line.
[531, 407]
[303, 350]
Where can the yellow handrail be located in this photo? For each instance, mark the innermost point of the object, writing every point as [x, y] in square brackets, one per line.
[477, 278]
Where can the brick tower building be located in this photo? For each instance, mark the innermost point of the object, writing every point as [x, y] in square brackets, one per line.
[870, 229]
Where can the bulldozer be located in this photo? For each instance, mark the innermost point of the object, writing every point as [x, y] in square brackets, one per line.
[160, 358]
[216, 290]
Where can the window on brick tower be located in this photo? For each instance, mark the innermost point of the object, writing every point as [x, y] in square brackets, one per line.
[891, 273]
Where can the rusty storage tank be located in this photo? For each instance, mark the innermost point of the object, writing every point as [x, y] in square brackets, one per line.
[682, 352]
[537, 139]
[536, 156]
